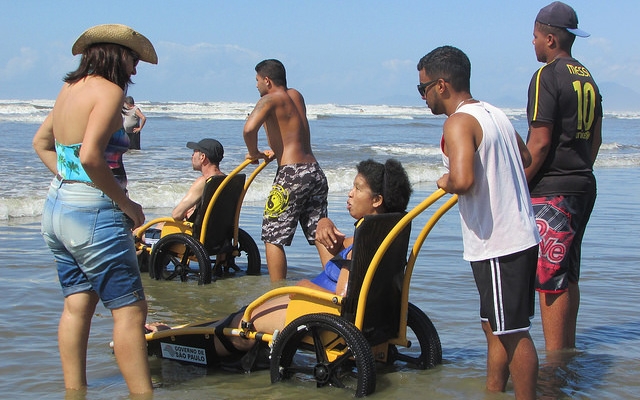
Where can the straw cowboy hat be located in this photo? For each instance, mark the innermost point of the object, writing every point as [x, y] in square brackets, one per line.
[118, 34]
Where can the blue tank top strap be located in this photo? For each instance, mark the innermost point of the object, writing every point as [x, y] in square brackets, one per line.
[344, 252]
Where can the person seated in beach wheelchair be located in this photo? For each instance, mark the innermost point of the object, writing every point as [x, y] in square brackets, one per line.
[320, 329]
[210, 244]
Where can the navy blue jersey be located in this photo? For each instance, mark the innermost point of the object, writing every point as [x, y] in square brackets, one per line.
[564, 94]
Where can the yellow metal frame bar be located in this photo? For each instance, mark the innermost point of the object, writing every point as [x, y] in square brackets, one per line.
[330, 298]
[415, 250]
[184, 226]
[225, 181]
[247, 183]
[373, 266]
[143, 228]
[325, 298]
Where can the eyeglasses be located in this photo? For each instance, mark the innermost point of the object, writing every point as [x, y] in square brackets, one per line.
[422, 88]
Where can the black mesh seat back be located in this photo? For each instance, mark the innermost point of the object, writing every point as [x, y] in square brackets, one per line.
[382, 314]
[222, 218]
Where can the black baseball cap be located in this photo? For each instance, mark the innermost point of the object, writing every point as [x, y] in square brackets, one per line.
[210, 147]
[561, 15]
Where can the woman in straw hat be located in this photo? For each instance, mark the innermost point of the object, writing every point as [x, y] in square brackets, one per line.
[88, 216]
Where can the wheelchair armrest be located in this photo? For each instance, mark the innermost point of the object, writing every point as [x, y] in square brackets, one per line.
[170, 223]
[305, 298]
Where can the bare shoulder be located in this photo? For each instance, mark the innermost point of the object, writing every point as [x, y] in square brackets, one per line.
[455, 123]
[199, 183]
[105, 86]
[266, 102]
[296, 97]
[295, 94]
[104, 92]
[460, 123]
[464, 127]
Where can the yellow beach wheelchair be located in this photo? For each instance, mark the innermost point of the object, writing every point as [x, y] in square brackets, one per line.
[327, 338]
[210, 246]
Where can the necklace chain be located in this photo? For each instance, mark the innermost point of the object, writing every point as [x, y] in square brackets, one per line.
[464, 101]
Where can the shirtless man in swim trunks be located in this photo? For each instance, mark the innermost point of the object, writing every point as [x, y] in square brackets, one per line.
[300, 188]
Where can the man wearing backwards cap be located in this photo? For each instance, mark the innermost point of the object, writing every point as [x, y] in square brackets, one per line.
[565, 120]
[206, 158]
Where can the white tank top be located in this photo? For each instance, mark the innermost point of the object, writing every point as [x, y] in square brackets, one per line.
[496, 214]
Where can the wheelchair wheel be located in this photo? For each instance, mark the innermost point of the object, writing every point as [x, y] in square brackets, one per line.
[180, 256]
[428, 353]
[327, 349]
[248, 246]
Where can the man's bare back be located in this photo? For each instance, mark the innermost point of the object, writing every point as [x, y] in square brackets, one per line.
[282, 112]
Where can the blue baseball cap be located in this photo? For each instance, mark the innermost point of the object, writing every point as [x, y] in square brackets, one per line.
[561, 15]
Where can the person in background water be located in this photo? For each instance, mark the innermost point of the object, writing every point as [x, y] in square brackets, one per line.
[88, 216]
[564, 111]
[485, 158]
[133, 120]
[300, 188]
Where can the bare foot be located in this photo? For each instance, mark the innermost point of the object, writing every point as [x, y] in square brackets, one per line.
[156, 327]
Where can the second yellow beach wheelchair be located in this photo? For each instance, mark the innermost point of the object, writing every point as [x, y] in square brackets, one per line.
[212, 244]
[327, 338]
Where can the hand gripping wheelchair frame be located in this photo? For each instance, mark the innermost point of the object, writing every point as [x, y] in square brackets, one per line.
[330, 339]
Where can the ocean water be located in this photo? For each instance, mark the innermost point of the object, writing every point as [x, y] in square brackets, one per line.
[605, 365]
